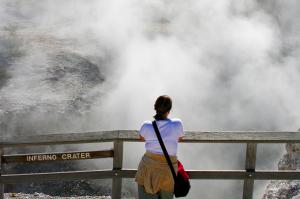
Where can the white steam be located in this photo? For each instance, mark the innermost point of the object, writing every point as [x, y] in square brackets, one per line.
[228, 65]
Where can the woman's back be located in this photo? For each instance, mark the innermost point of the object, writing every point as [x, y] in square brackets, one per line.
[170, 130]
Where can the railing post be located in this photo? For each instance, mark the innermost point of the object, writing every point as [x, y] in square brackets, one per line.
[1, 170]
[117, 165]
[250, 167]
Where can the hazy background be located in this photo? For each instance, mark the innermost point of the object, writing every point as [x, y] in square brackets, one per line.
[228, 65]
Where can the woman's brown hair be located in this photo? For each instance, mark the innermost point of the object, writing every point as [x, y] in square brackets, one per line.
[163, 104]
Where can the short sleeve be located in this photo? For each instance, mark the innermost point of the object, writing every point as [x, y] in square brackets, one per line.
[180, 129]
[143, 131]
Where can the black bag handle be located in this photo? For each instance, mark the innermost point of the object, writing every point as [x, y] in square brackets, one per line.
[164, 149]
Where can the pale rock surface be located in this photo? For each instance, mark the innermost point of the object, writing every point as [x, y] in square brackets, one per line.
[286, 189]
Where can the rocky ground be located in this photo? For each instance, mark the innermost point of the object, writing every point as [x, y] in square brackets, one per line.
[44, 196]
[286, 189]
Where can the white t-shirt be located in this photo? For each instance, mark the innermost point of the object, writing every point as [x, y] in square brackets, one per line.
[170, 131]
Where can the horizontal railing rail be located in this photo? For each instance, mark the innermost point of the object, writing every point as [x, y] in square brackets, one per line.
[127, 135]
[129, 173]
[249, 174]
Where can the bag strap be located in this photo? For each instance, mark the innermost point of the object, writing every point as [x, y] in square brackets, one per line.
[164, 149]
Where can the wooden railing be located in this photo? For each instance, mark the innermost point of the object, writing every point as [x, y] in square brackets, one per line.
[249, 174]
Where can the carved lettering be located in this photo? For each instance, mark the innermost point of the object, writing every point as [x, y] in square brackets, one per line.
[46, 157]
[87, 155]
[63, 156]
[74, 156]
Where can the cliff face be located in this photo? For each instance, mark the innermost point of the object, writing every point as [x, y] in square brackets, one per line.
[286, 189]
[44, 83]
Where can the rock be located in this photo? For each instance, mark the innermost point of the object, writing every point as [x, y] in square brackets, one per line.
[45, 85]
[45, 196]
[282, 189]
[286, 189]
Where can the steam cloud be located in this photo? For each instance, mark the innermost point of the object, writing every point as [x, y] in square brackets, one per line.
[228, 65]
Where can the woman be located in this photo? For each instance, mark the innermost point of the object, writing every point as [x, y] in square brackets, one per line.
[154, 177]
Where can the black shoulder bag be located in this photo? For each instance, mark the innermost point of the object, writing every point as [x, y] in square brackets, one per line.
[182, 183]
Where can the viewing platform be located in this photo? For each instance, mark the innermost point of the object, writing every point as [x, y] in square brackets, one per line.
[249, 174]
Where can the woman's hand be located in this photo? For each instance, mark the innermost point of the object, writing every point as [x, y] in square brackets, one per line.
[142, 138]
[180, 139]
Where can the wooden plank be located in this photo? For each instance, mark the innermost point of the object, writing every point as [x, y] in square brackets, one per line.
[117, 165]
[228, 137]
[217, 174]
[250, 167]
[55, 176]
[63, 138]
[129, 136]
[1, 171]
[118, 155]
[243, 137]
[276, 175]
[130, 173]
[191, 137]
[248, 188]
[45, 157]
[250, 157]
[228, 174]
[242, 174]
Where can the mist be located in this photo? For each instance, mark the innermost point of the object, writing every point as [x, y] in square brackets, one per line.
[228, 65]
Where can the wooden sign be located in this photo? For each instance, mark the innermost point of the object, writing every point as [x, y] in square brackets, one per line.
[42, 157]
